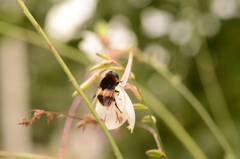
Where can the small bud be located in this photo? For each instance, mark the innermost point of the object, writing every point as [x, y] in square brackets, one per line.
[101, 29]
[24, 122]
[116, 68]
[60, 116]
[155, 154]
[139, 106]
[103, 56]
[49, 117]
[87, 119]
[131, 76]
[102, 64]
[87, 83]
[147, 119]
[80, 124]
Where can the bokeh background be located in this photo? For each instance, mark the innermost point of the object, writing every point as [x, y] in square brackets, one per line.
[197, 40]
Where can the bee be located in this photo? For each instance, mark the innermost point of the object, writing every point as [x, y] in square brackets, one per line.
[106, 93]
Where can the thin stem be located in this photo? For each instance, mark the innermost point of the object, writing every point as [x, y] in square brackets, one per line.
[173, 124]
[124, 80]
[149, 113]
[72, 79]
[152, 131]
[182, 89]
[31, 37]
[23, 155]
[220, 105]
[215, 96]
[59, 114]
[73, 109]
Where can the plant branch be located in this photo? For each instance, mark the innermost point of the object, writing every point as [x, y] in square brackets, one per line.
[23, 155]
[31, 37]
[152, 131]
[71, 78]
[215, 96]
[173, 124]
[160, 145]
[182, 89]
[73, 109]
[58, 114]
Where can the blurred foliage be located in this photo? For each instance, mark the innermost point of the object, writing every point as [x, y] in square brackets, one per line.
[51, 90]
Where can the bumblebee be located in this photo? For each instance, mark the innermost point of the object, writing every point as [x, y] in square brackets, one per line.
[106, 94]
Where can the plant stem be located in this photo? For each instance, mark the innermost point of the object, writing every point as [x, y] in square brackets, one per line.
[215, 96]
[73, 109]
[71, 78]
[152, 131]
[173, 124]
[31, 37]
[182, 89]
[59, 114]
[23, 155]
[159, 143]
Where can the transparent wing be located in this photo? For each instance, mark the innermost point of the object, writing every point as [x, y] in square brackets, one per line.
[96, 94]
[110, 115]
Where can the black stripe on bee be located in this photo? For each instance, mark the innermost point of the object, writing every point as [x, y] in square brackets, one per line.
[105, 100]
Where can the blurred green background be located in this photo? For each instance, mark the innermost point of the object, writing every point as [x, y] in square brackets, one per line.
[197, 40]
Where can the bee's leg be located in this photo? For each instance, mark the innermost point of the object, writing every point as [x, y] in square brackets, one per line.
[96, 94]
[119, 117]
[119, 82]
[108, 111]
[104, 118]
[117, 92]
[117, 106]
[93, 99]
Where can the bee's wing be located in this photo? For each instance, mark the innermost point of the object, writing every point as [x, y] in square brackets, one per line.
[111, 114]
[108, 97]
[96, 94]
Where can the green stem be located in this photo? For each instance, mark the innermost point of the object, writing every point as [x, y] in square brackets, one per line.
[173, 124]
[150, 114]
[31, 37]
[23, 155]
[182, 89]
[72, 79]
[215, 96]
[202, 112]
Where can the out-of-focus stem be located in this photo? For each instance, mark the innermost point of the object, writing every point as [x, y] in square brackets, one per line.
[58, 114]
[31, 37]
[73, 109]
[159, 143]
[182, 89]
[173, 124]
[6, 154]
[152, 131]
[72, 79]
[215, 96]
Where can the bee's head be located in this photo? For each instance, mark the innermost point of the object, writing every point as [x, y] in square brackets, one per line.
[111, 73]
